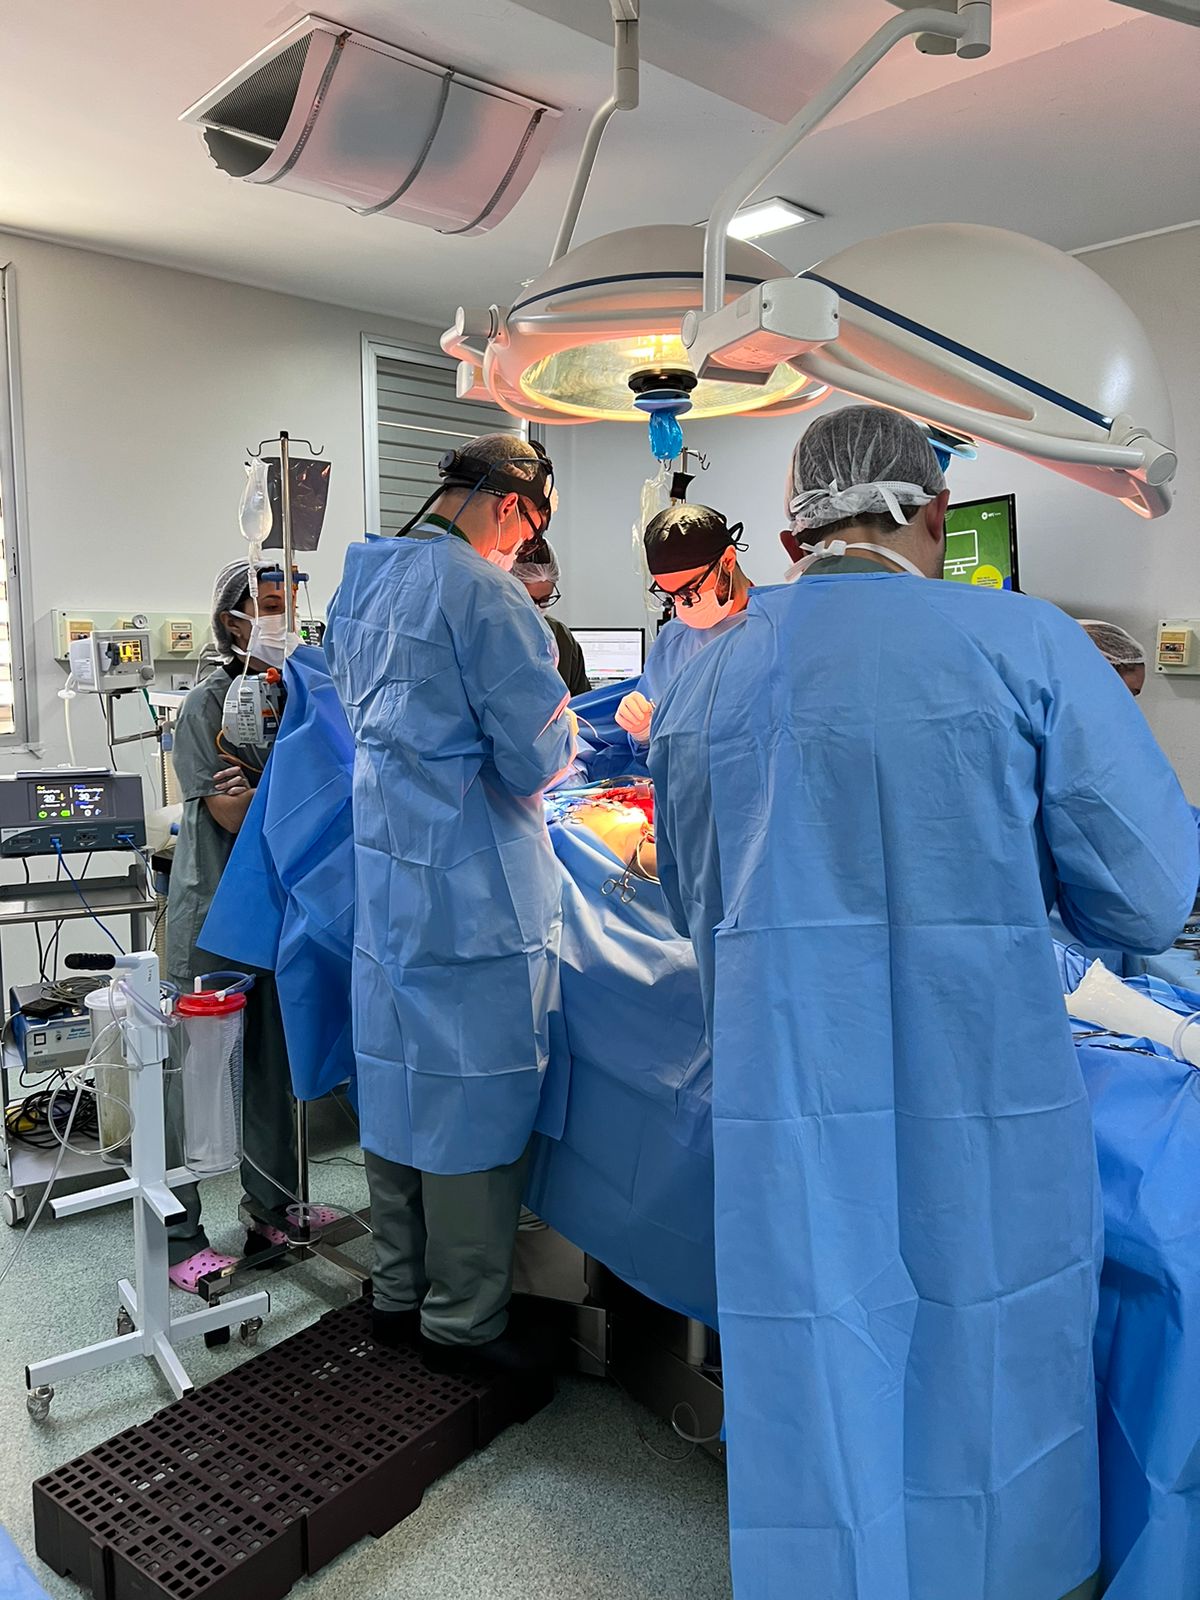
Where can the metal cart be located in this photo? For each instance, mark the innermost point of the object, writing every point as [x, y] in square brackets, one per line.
[23, 904]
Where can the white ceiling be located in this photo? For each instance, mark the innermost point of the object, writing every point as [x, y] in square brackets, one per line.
[1079, 128]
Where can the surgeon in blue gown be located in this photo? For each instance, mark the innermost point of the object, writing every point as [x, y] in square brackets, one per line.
[868, 794]
[1127, 658]
[459, 718]
[692, 554]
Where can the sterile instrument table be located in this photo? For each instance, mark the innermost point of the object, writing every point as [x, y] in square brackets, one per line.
[24, 905]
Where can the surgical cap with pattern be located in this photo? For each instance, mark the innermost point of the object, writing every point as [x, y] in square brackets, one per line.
[230, 587]
[1114, 644]
[537, 563]
[686, 535]
[860, 460]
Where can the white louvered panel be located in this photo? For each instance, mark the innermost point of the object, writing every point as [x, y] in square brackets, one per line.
[419, 418]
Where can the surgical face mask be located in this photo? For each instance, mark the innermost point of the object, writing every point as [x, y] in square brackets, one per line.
[506, 560]
[709, 608]
[832, 549]
[270, 640]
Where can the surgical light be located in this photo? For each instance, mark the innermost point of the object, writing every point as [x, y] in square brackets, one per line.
[1002, 338]
[973, 330]
[1174, 10]
[566, 352]
[575, 346]
[768, 216]
[603, 317]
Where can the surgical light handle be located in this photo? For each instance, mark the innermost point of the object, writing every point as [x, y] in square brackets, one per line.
[971, 28]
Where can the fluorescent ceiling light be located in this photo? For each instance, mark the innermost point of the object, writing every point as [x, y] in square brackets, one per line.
[768, 216]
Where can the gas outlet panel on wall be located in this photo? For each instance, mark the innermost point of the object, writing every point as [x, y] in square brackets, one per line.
[174, 635]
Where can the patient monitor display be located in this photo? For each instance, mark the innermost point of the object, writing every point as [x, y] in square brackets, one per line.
[611, 655]
[981, 543]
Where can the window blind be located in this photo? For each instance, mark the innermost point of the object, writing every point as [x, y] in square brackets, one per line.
[418, 418]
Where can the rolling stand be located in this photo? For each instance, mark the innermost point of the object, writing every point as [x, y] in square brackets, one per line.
[25, 905]
[302, 1246]
[145, 1326]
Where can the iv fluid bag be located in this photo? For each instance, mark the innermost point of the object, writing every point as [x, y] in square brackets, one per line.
[655, 498]
[254, 513]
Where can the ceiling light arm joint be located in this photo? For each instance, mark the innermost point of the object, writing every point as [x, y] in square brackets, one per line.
[970, 28]
[624, 97]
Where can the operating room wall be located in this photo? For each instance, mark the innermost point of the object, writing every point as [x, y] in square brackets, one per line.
[1080, 549]
[142, 388]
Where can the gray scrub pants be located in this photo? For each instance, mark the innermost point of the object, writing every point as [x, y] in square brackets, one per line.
[268, 1118]
[1085, 1591]
[446, 1244]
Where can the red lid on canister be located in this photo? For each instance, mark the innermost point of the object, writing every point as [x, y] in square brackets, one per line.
[210, 1003]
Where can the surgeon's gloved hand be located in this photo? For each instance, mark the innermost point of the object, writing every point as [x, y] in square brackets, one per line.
[634, 714]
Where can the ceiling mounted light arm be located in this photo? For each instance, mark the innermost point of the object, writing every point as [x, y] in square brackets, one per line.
[467, 339]
[624, 97]
[1125, 450]
[970, 28]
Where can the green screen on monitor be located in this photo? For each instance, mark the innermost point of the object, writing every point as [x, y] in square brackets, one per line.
[981, 543]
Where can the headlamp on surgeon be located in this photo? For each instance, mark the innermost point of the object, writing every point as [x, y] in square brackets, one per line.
[460, 469]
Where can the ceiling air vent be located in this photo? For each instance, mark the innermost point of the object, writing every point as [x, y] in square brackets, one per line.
[337, 115]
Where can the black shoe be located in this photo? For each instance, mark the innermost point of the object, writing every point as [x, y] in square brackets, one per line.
[518, 1357]
[396, 1330]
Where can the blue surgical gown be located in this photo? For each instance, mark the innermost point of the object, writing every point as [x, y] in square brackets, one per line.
[674, 646]
[867, 797]
[448, 680]
[1118, 961]
[293, 862]
[17, 1582]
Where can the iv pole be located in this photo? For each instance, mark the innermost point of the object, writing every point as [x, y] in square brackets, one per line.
[301, 1246]
[289, 589]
